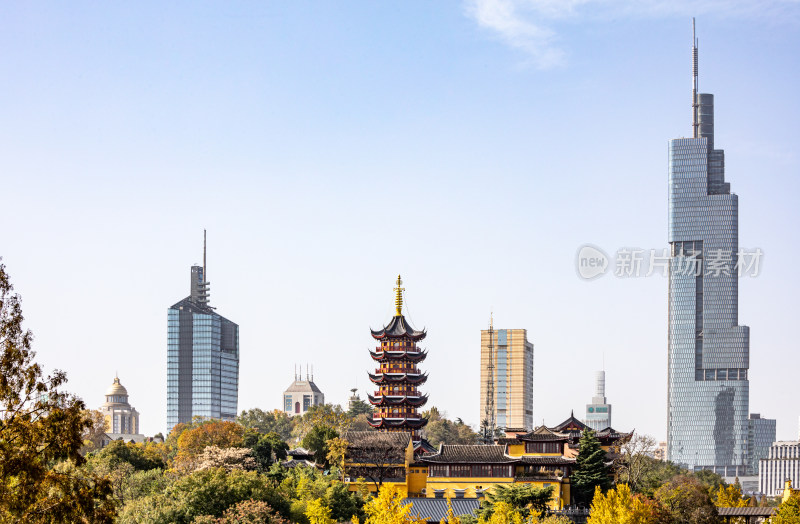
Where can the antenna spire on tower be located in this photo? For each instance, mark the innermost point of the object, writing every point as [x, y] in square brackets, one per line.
[205, 275]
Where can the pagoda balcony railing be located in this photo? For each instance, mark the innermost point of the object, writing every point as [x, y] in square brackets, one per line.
[397, 416]
[398, 371]
[399, 347]
[408, 394]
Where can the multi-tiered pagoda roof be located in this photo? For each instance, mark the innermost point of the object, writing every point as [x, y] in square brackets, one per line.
[398, 377]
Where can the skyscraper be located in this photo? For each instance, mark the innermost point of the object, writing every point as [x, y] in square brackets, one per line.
[598, 413]
[507, 357]
[709, 352]
[202, 357]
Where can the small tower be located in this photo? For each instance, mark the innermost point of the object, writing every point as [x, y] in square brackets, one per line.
[398, 398]
[121, 418]
[302, 394]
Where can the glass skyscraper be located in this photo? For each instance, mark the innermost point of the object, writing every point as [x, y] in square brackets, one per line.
[709, 352]
[202, 358]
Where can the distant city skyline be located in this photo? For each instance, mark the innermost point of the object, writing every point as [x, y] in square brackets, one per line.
[290, 132]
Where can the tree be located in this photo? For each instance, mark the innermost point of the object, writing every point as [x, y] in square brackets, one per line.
[388, 508]
[316, 441]
[209, 492]
[637, 461]
[337, 451]
[503, 513]
[788, 512]
[526, 499]
[451, 516]
[555, 519]
[619, 506]
[118, 452]
[318, 513]
[94, 434]
[330, 415]
[358, 407]
[225, 458]
[590, 469]
[730, 496]
[688, 501]
[266, 448]
[40, 426]
[247, 511]
[275, 421]
[192, 442]
[446, 431]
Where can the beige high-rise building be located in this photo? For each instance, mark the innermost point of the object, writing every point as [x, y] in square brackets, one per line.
[512, 377]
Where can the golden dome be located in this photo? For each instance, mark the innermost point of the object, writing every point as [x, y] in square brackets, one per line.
[116, 389]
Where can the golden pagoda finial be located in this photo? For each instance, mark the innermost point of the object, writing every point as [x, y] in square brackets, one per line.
[398, 298]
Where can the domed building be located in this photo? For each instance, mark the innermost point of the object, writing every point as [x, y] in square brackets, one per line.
[121, 418]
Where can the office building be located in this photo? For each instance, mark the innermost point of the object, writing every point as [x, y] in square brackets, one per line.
[507, 375]
[781, 464]
[598, 413]
[301, 395]
[761, 433]
[202, 357]
[709, 352]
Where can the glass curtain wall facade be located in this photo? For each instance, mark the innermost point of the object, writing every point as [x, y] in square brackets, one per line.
[709, 353]
[202, 363]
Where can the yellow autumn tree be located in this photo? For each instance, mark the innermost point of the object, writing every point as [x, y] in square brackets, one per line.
[618, 506]
[504, 513]
[388, 508]
[730, 496]
[451, 516]
[318, 513]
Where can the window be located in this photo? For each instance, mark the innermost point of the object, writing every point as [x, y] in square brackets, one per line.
[297, 407]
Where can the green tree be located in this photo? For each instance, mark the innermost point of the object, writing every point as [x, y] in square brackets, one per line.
[590, 469]
[443, 430]
[344, 504]
[266, 448]
[316, 441]
[118, 452]
[688, 501]
[275, 421]
[41, 426]
[359, 407]
[245, 512]
[526, 499]
[208, 492]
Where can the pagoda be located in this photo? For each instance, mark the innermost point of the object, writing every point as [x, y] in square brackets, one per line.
[398, 399]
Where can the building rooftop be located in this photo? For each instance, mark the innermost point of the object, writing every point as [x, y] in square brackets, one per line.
[116, 389]
[398, 327]
[478, 453]
[434, 510]
[303, 386]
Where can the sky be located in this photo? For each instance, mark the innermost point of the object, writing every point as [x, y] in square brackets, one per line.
[327, 147]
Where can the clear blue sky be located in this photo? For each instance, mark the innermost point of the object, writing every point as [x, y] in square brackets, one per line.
[329, 146]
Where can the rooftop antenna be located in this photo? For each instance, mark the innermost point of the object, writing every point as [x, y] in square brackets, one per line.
[488, 409]
[695, 105]
[312, 372]
[205, 277]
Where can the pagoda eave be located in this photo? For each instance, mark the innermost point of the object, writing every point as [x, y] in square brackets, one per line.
[412, 356]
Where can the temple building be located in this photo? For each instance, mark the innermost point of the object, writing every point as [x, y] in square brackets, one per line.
[544, 457]
[398, 378]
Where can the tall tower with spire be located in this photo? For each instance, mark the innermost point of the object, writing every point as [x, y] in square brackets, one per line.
[398, 378]
[202, 356]
[709, 352]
